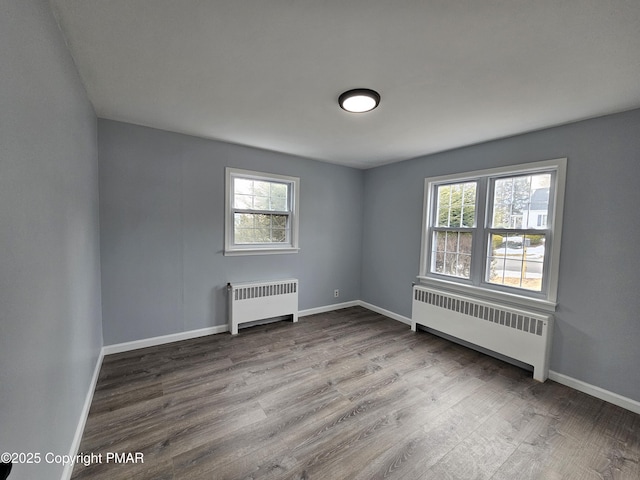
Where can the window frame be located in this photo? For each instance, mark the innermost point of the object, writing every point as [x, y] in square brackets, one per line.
[231, 247]
[478, 285]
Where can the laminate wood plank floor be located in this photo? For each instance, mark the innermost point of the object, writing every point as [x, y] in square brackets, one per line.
[348, 394]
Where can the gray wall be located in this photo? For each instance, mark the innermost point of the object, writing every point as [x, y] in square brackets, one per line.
[50, 314]
[162, 231]
[597, 321]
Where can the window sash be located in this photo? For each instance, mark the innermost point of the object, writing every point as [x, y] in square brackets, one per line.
[517, 251]
[464, 187]
[273, 230]
[434, 227]
[492, 180]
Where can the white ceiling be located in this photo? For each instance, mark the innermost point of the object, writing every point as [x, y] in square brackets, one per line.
[267, 73]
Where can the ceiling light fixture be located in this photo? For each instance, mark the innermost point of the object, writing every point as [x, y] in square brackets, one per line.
[359, 100]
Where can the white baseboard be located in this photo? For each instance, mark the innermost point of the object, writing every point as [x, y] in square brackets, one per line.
[601, 393]
[161, 340]
[356, 303]
[77, 437]
[386, 313]
[328, 308]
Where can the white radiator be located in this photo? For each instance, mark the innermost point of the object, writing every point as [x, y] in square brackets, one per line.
[249, 302]
[519, 334]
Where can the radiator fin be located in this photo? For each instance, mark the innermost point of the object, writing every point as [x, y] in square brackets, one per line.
[259, 291]
[500, 316]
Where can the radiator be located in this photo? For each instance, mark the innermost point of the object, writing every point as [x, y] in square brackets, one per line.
[249, 302]
[515, 333]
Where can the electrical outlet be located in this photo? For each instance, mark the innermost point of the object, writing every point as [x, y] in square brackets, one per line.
[336, 293]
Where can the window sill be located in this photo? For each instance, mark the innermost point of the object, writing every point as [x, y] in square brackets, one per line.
[490, 295]
[259, 251]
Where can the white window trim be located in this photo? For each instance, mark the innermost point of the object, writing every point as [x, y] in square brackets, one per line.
[549, 300]
[230, 248]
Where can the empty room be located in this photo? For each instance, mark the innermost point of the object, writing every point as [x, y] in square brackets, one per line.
[306, 239]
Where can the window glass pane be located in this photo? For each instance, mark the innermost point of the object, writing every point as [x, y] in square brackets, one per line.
[243, 193]
[261, 203]
[278, 235]
[516, 260]
[279, 193]
[244, 202]
[521, 202]
[279, 221]
[278, 190]
[438, 262]
[456, 205]
[278, 204]
[261, 188]
[452, 253]
[243, 220]
[262, 191]
[262, 220]
[262, 235]
[243, 186]
[244, 235]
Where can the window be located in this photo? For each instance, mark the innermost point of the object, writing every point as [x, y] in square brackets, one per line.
[496, 233]
[261, 213]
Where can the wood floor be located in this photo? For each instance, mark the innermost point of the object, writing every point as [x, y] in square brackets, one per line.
[351, 395]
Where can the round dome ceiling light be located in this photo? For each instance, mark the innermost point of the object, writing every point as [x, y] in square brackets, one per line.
[359, 100]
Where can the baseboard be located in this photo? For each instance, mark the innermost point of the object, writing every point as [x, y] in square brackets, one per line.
[77, 438]
[597, 392]
[161, 340]
[386, 313]
[328, 308]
